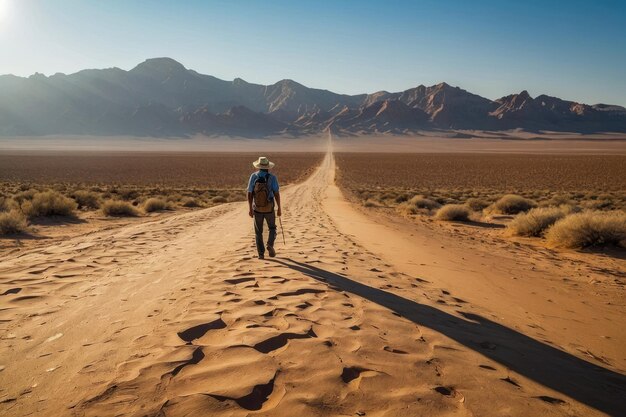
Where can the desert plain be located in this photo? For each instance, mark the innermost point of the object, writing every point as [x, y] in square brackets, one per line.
[380, 302]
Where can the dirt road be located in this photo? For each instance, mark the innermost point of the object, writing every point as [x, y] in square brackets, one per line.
[176, 317]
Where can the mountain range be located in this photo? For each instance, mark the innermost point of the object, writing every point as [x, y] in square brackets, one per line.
[160, 97]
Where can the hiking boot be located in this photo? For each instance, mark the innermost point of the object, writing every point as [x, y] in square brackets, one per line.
[271, 251]
[261, 256]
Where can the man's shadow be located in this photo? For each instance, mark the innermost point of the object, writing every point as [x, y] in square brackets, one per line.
[590, 384]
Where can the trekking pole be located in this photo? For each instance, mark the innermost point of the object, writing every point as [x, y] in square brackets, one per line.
[282, 229]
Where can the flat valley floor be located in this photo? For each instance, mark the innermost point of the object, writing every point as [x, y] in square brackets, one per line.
[356, 316]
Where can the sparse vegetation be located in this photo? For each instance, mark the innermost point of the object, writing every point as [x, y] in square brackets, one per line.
[118, 208]
[12, 222]
[49, 203]
[512, 204]
[589, 229]
[545, 192]
[66, 182]
[453, 212]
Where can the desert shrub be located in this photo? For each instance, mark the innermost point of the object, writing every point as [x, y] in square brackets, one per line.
[49, 203]
[25, 195]
[536, 221]
[512, 204]
[401, 198]
[190, 202]
[476, 204]
[6, 204]
[127, 193]
[364, 195]
[422, 202]
[118, 208]
[589, 228]
[86, 199]
[219, 200]
[12, 222]
[371, 203]
[453, 212]
[154, 204]
[174, 197]
[603, 204]
[558, 200]
[388, 196]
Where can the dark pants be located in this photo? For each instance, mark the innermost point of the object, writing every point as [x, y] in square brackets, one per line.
[258, 230]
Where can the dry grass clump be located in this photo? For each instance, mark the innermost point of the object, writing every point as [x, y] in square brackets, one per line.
[512, 204]
[557, 200]
[190, 202]
[371, 203]
[477, 204]
[418, 204]
[219, 200]
[422, 202]
[588, 229]
[49, 203]
[599, 204]
[6, 204]
[453, 212]
[12, 222]
[86, 199]
[155, 204]
[536, 221]
[25, 195]
[118, 208]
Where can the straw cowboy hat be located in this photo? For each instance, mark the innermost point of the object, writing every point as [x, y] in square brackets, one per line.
[263, 163]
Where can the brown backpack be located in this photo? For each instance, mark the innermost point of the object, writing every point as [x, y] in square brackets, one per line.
[261, 193]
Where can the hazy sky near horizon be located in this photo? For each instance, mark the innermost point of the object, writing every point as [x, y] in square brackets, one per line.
[572, 49]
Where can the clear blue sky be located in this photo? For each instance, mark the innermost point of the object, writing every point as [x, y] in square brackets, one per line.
[571, 49]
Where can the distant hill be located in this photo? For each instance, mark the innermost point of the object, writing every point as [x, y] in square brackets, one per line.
[160, 97]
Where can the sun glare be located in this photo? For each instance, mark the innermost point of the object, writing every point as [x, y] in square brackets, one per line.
[5, 5]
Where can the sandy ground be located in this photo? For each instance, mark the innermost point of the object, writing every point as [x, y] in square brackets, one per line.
[487, 142]
[358, 315]
[199, 143]
[471, 141]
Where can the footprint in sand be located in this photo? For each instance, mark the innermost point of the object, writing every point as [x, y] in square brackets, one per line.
[276, 342]
[258, 397]
[200, 330]
[551, 400]
[11, 291]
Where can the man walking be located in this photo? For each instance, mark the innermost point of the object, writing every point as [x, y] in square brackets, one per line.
[262, 192]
